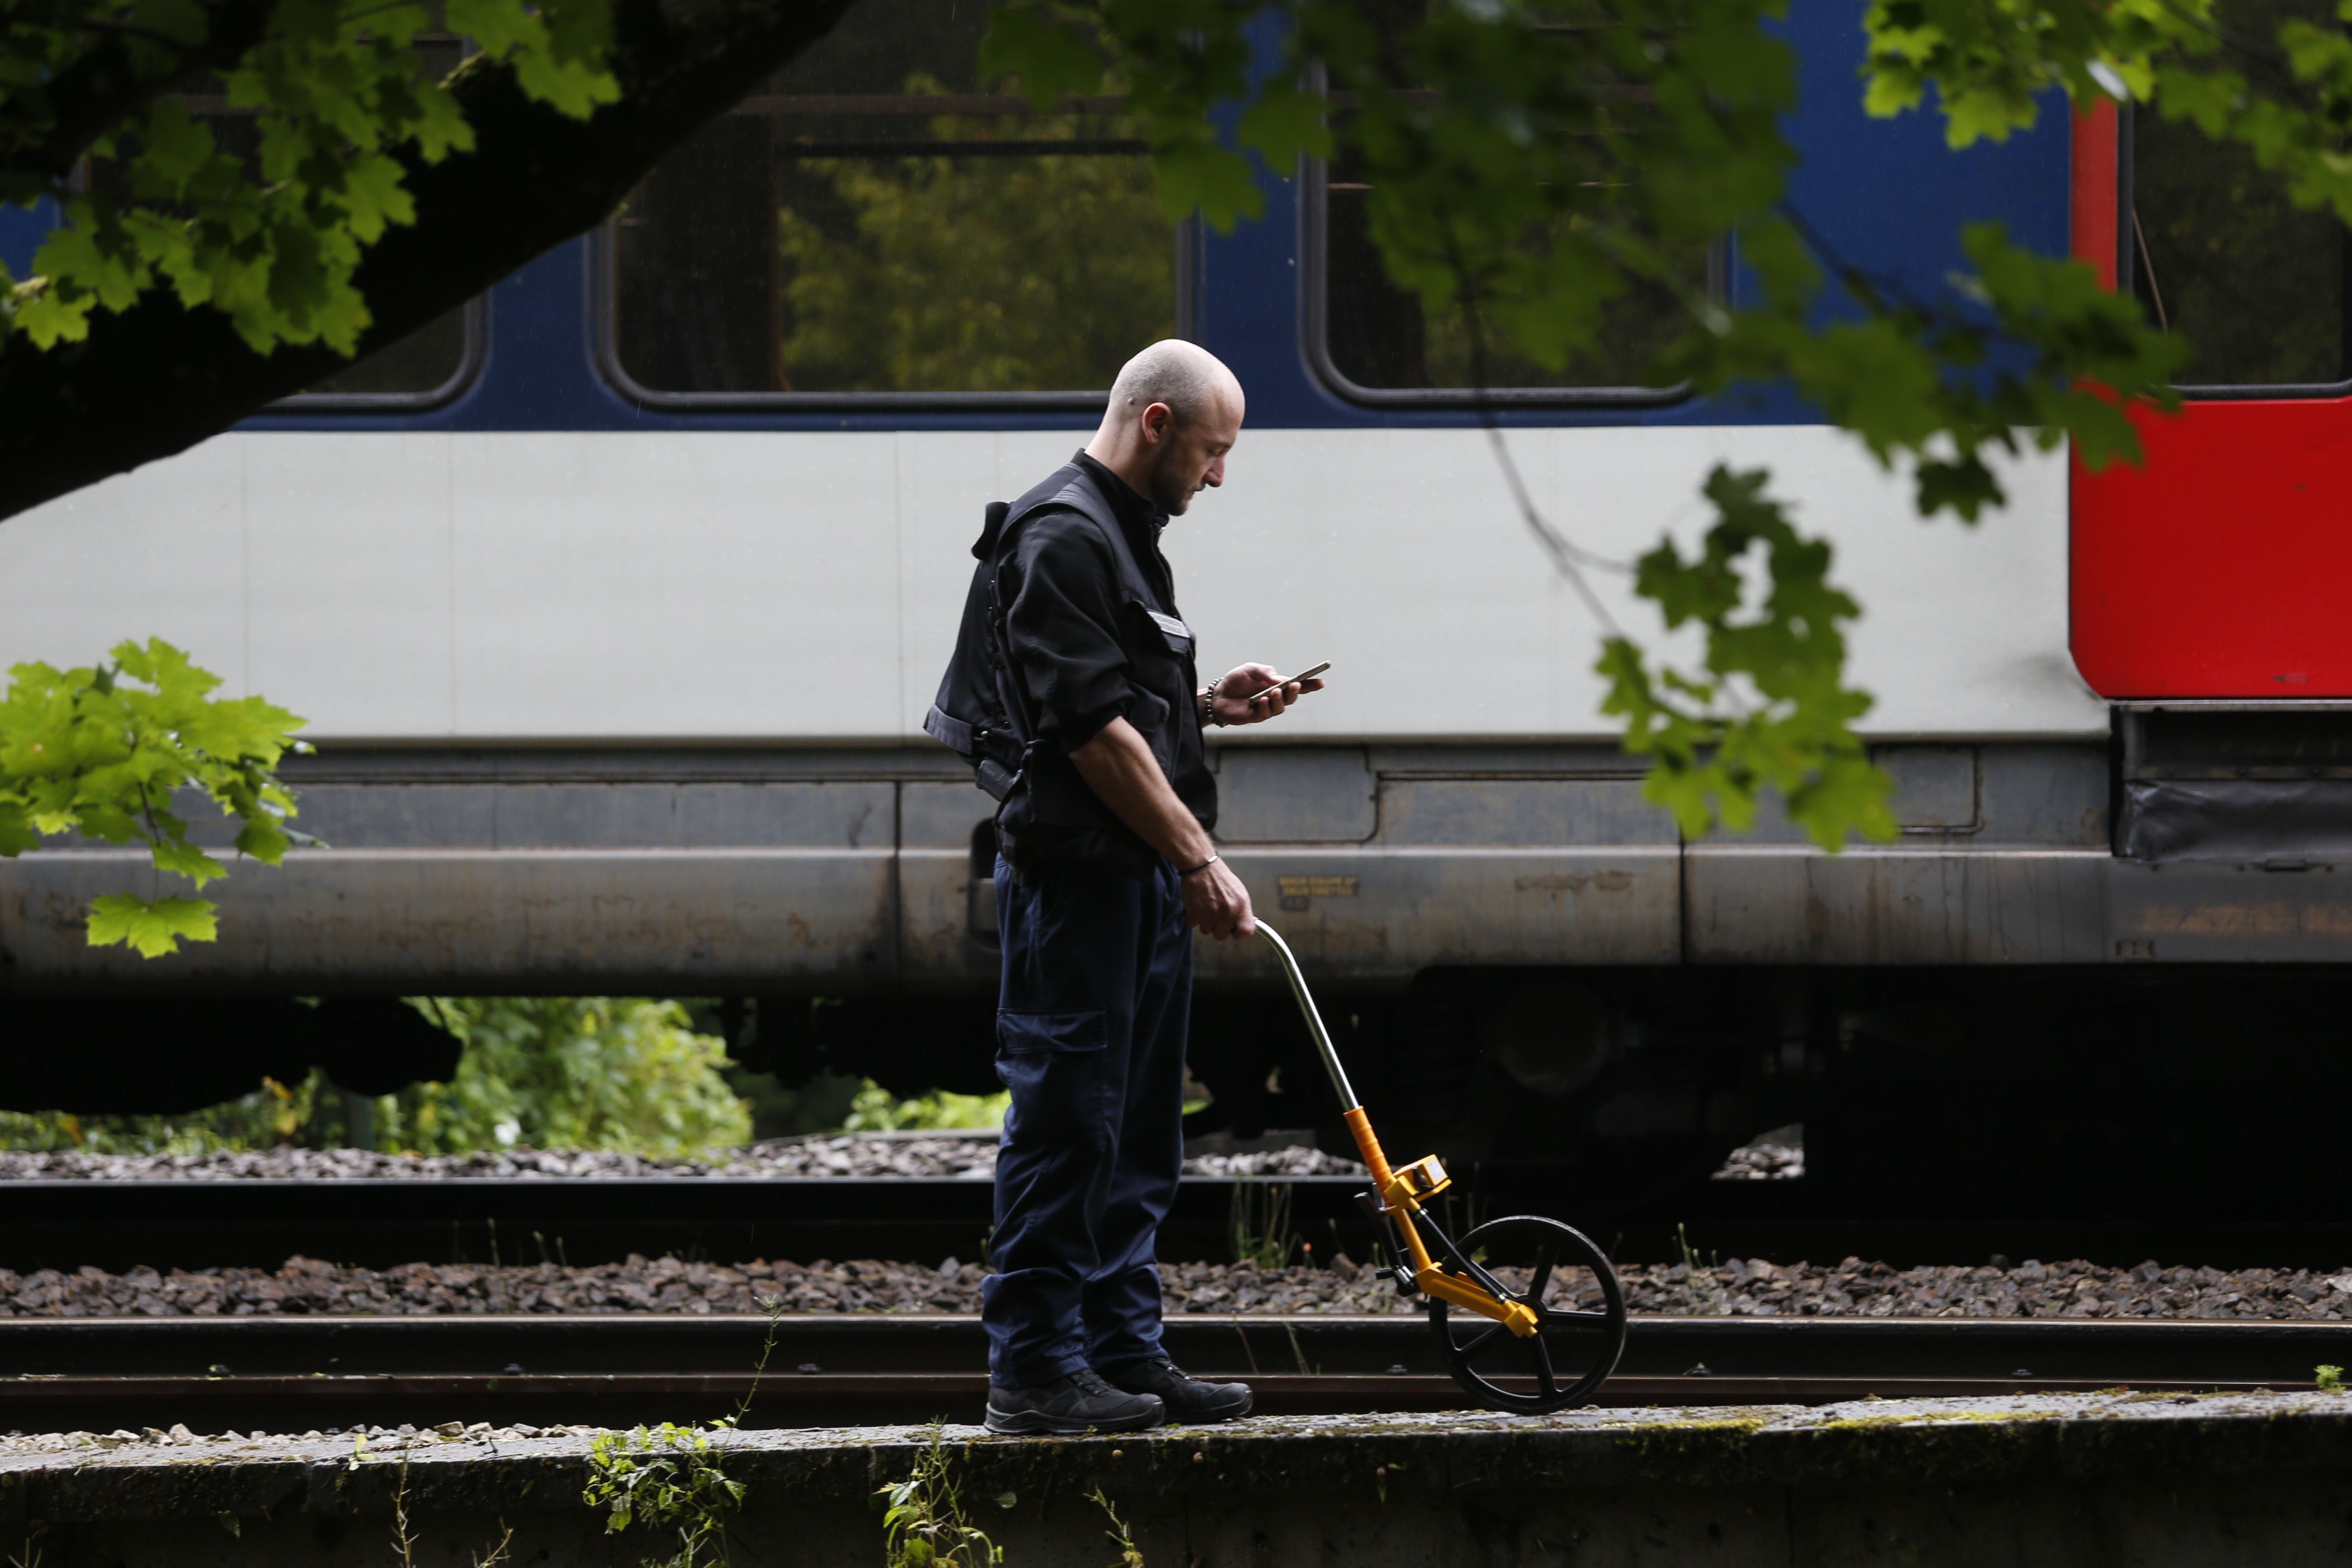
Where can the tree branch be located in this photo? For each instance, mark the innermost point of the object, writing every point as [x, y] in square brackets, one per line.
[157, 379]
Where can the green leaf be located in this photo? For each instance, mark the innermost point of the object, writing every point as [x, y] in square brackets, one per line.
[1048, 55]
[1215, 181]
[572, 86]
[153, 928]
[18, 832]
[177, 147]
[1285, 123]
[185, 859]
[268, 842]
[375, 195]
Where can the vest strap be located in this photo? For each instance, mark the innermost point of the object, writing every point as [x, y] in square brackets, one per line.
[949, 730]
[972, 740]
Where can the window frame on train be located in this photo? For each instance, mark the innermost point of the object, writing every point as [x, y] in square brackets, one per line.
[2131, 250]
[470, 361]
[1314, 178]
[604, 308]
[1314, 330]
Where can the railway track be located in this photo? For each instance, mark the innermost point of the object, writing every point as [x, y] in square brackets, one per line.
[196, 1224]
[377, 1223]
[325, 1374]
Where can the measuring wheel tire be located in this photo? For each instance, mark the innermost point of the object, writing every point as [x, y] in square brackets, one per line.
[1576, 1344]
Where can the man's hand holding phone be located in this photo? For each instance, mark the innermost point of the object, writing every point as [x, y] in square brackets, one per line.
[1253, 693]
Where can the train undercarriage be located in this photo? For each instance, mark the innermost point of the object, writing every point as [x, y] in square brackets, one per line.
[2076, 953]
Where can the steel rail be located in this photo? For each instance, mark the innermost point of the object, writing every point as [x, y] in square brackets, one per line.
[295, 1373]
[169, 1224]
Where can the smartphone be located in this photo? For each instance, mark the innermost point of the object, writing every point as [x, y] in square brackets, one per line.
[1302, 675]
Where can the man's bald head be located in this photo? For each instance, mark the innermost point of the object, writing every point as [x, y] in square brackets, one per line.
[1175, 411]
[1185, 376]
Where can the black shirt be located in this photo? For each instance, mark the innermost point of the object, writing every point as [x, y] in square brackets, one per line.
[1065, 615]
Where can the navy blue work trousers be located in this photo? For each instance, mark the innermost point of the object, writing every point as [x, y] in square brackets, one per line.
[1090, 1023]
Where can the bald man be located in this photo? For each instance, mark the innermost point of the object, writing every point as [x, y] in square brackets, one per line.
[1074, 682]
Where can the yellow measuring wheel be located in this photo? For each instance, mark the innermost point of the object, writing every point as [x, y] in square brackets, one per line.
[1528, 1313]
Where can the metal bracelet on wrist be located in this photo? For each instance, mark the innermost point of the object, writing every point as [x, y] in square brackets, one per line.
[1201, 867]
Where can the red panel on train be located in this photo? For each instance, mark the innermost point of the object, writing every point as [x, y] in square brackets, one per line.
[2224, 567]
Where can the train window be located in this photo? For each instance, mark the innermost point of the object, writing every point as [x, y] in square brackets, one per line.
[1377, 343]
[2219, 253]
[881, 220]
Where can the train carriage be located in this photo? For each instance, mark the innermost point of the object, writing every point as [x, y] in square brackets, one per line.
[615, 599]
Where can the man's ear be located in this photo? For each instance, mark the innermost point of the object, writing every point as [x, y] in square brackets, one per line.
[1158, 420]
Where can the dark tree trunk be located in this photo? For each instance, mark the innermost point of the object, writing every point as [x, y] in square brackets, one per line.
[156, 379]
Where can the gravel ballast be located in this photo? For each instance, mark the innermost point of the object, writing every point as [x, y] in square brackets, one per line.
[1763, 1161]
[1737, 1288]
[908, 1155]
[379, 1442]
[967, 1154]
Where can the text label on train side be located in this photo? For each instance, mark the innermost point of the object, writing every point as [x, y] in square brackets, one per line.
[1296, 891]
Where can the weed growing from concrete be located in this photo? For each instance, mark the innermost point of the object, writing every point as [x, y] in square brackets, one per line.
[670, 1477]
[404, 1539]
[2330, 1379]
[667, 1478]
[923, 1519]
[1131, 1555]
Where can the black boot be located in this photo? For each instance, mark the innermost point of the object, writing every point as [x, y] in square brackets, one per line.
[1082, 1402]
[1187, 1398]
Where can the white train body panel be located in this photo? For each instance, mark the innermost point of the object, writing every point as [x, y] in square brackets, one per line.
[803, 588]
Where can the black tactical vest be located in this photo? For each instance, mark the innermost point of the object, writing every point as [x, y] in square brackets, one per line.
[982, 714]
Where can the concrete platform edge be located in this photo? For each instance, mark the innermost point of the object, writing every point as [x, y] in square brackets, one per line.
[2038, 1439]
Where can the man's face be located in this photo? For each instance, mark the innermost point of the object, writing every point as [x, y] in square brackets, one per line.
[1191, 454]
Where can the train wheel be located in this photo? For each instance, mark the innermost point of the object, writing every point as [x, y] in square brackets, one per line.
[1579, 1306]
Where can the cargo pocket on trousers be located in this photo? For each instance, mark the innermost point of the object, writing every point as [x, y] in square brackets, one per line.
[1052, 1063]
[1050, 1034]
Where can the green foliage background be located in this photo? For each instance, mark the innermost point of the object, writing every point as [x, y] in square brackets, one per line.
[571, 1072]
[624, 1073]
[273, 1113]
[876, 1109]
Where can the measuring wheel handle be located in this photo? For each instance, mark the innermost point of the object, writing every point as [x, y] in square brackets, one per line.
[1530, 1350]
